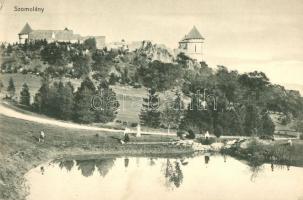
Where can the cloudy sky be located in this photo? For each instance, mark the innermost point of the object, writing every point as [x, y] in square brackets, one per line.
[246, 35]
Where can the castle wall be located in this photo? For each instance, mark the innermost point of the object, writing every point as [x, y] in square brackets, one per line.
[192, 48]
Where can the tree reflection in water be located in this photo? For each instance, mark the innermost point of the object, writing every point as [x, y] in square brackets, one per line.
[67, 164]
[104, 166]
[255, 169]
[87, 167]
[173, 174]
[152, 162]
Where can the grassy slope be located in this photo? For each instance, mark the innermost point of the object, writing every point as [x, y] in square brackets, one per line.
[20, 151]
[129, 98]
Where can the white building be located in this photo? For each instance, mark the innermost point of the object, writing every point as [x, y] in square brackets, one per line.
[191, 44]
[65, 35]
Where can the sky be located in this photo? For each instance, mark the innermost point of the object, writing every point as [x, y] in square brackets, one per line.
[247, 35]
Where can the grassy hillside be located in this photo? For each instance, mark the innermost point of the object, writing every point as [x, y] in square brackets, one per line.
[20, 151]
[130, 99]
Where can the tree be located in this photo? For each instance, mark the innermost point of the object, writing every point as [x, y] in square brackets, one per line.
[268, 126]
[218, 131]
[230, 122]
[55, 54]
[252, 122]
[25, 95]
[11, 88]
[102, 63]
[227, 82]
[41, 99]
[255, 82]
[83, 111]
[161, 76]
[105, 103]
[197, 118]
[173, 112]
[90, 44]
[113, 79]
[150, 114]
[66, 101]
[81, 66]
[1, 85]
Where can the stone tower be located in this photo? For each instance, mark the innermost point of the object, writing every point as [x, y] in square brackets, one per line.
[191, 44]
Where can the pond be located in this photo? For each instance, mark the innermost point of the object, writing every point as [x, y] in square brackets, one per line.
[213, 177]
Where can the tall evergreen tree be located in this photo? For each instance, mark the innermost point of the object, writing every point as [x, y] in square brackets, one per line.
[66, 101]
[252, 123]
[25, 95]
[150, 114]
[11, 88]
[105, 103]
[41, 99]
[83, 111]
[268, 126]
[173, 112]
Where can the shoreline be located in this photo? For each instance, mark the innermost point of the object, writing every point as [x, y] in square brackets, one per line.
[20, 151]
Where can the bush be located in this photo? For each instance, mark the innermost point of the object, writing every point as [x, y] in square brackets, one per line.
[191, 135]
[285, 120]
[301, 136]
[181, 133]
[207, 141]
[218, 131]
[135, 124]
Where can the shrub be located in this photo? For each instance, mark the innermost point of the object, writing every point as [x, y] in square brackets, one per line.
[301, 136]
[207, 141]
[218, 131]
[180, 133]
[134, 124]
[191, 135]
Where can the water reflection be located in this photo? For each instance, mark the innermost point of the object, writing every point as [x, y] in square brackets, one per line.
[173, 174]
[255, 171]
[67, 164]
[164, 178]
[126, 161]
[88, 167]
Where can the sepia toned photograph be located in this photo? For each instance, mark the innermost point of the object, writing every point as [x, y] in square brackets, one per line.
[151, 99]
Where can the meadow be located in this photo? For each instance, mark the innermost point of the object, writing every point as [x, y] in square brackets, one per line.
[130, 99]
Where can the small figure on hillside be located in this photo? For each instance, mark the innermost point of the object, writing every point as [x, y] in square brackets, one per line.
[289, 142]
[138, 130]
[42, 136]
[42, 170]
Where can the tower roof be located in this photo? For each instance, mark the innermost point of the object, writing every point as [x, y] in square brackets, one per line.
[26, 29]
[193, 34]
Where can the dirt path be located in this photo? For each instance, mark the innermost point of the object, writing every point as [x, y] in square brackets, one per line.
[15, 114]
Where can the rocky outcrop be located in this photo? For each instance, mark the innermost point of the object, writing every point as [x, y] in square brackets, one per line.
[155, 52]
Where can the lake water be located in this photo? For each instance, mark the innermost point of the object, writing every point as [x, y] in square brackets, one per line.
[139, 178]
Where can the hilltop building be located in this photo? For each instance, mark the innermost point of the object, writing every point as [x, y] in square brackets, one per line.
[66, 35]
[191, 45]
